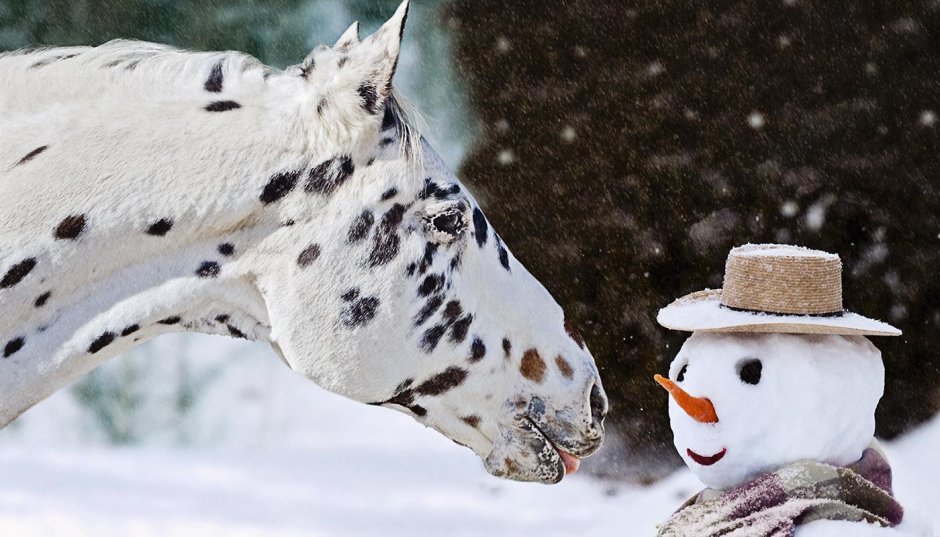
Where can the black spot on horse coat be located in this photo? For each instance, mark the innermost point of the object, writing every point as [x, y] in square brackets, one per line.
[369, 96]
[503, 254]
[208, 269]
[360, 312]
[128, 330]
[386, 240]
[12, 346]
[458, 331]
[308, 256]
[17, 272]
[431, 284]
[279, 186]
[70, 227]
[31, 155]
[430, 307]
[361, 226]
[101, 342]
[329, 175]
[160, 228]
[443, 382]
[42, 299]
[432, 336]
[214, 82]
[480, 228]
[222, 106]
[477, 350]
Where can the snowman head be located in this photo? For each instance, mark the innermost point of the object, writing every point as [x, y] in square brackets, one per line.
[743, 404]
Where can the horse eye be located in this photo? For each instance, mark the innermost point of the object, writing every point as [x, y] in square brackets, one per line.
[681, 376]
[750, 371]
[451, 223]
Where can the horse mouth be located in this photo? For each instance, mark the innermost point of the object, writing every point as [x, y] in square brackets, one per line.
[570, 462]
[707, 460]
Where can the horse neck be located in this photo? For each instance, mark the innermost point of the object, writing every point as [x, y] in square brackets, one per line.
[118, 254]
[64, 324]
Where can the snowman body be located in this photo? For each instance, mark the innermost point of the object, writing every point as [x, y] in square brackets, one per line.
[753, 403]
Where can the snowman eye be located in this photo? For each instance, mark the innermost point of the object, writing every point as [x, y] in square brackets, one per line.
[681, 376]
[749, 370]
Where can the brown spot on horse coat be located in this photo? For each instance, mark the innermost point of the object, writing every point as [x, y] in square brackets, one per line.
[472, 420]
[564, 367]
[533, 366]
[574, 334]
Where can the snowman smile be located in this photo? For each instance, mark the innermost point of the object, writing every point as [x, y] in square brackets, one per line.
[707, 460]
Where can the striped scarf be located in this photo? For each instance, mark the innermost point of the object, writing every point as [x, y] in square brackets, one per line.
[773, 504]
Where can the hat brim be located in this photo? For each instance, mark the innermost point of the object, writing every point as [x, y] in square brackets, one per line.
[703, 312]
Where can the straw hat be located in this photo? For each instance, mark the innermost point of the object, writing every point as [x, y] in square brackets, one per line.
[774, 288]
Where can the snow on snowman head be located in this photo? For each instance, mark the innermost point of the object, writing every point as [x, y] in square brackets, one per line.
[775, 371]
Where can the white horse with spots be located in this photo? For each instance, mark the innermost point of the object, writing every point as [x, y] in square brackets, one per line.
[145, 190]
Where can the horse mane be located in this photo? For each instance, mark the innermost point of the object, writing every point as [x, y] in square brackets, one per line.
[136, 68]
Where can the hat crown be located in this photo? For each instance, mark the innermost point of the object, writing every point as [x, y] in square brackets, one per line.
[783, 279]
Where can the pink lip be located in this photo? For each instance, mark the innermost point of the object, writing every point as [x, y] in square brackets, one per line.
[571, 462]
[709, 460]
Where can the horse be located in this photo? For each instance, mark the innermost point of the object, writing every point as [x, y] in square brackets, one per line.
[146, 189]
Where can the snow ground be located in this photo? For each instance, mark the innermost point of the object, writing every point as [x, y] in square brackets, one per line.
[277, 456]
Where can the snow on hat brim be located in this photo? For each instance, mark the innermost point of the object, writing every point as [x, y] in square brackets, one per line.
[703, 312]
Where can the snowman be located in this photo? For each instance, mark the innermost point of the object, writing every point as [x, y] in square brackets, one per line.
[772, 402]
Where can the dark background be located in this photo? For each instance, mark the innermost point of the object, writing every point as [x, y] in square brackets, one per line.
[625, 147]
[666, 172]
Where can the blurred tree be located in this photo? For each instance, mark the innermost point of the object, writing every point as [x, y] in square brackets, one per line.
[629, 145]
[270, 30]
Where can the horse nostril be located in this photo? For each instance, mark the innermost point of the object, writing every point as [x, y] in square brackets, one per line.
[598, 404]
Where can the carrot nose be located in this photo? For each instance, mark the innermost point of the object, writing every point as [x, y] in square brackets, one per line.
[698, 408]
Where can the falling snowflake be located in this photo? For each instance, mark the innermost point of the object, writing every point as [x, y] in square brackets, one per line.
[755, 120]
[568, 134]
[505, 157]
[789, 209]
[928, 118]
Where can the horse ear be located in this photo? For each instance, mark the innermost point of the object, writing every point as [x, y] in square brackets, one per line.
[376, 59]
[350, 37]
